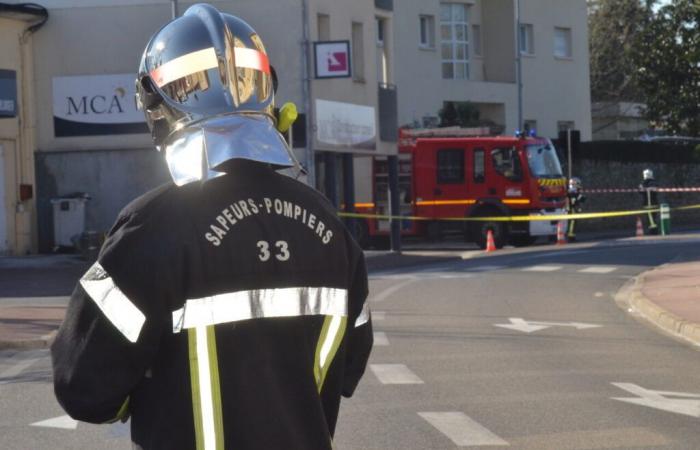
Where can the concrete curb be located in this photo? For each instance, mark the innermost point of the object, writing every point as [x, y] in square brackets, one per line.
[28, 344]
[666, 321]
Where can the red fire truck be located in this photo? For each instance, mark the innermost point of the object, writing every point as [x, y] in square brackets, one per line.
[461, 173]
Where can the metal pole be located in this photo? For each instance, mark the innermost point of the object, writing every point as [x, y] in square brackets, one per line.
[394, 203]
[174, 11]
[518, 65]
[349, 190]
[306, 94]
[568, 152]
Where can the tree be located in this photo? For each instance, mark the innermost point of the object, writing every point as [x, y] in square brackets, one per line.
[615, 27]
[668, 67]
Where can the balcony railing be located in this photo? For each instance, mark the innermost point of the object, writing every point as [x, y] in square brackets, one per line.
[387, 5]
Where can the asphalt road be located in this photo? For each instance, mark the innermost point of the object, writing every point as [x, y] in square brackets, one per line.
[519, 349]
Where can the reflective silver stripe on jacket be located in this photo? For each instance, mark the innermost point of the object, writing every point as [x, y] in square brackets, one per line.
[261, 303]
[116, 306]
[364, 316]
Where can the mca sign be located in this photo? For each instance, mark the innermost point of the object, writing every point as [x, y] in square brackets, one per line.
[332, 59]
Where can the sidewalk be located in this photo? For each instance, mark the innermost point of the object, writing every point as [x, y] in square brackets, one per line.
[34, 292]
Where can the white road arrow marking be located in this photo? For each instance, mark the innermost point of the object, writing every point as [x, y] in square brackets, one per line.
[685, 403]
[64, 422]
[520, 324]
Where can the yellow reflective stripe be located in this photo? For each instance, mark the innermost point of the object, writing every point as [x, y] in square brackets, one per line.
[328, 342]
[215, 388]
[122, 413]
[194, 381]
[445, 202]
[206, 390]
[364, 205]
[516, 201]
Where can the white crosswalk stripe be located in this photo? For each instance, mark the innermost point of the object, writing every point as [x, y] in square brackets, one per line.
[461, 429]
[598, 269]
[394, 374]
[380, 338]
[542, 268]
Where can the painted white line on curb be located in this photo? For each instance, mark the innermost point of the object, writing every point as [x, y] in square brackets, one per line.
[394, 374]
[380, 338]
[461, 429]
[598, 269]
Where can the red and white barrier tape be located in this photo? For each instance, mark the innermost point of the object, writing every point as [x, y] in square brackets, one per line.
[667, 189]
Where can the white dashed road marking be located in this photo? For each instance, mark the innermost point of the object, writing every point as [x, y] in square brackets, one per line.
[394, 374]
[461, 429]
[542, 268]
[598, 269]
[380, 338]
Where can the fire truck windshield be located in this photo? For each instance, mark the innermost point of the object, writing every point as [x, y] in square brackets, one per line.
[543, 161]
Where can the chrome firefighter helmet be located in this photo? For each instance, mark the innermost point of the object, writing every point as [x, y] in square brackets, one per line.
[574, 183]
[648, 174]
[206, 88]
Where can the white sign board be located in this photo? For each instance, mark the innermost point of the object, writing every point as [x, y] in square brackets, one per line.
[344, 126]
[96, 105]
[332, 59]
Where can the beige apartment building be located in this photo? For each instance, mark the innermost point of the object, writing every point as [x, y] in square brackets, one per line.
[466, 51]
[357, 70]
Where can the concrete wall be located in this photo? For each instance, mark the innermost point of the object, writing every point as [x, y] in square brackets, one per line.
[112, 178]
[613, 174]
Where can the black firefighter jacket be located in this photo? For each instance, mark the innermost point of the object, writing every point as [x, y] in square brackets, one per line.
[221, 315]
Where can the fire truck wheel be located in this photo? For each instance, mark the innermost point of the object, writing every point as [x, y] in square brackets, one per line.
[499, 233]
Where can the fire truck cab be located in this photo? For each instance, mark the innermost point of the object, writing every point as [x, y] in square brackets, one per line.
[447, 174]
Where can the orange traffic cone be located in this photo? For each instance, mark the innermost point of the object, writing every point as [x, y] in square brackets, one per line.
[640, 228]
[490, 244]
[561, 238]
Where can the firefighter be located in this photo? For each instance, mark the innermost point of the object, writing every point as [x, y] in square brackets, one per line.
[226, 309]
[650, 199]
[574, 203]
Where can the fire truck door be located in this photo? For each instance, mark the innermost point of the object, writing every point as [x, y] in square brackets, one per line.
[506, 176]
[450, 193]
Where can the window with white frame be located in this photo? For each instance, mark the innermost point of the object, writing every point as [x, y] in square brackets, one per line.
[562, 42]
[476, 40]
[527, 40]
[427, 31]
[454, 41]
